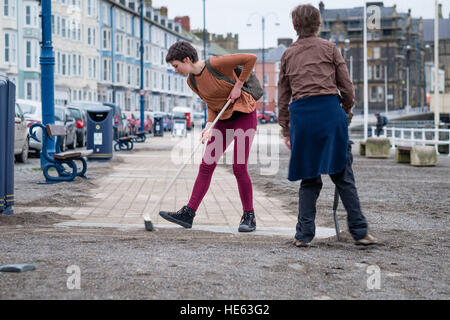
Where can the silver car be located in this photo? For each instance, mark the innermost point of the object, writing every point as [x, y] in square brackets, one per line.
[21, 137]
[32, 112]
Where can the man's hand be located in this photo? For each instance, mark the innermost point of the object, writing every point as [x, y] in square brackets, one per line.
[205, 133]
[236, 91]
[287, 141]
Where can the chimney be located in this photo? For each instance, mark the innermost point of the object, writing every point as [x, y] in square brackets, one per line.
[440, 11]
[185, 22]
[148, 3]
[321, 6]
[164, 11]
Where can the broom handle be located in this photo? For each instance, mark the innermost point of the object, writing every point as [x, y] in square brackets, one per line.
[147, 215]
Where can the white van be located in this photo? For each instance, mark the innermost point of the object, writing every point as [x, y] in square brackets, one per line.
[184, 112]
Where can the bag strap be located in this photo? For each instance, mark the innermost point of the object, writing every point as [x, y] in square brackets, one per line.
[193, 82]
[217, 74]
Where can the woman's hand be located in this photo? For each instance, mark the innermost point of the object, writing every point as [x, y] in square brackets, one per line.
[205, 133]
[236, 91]
[287, 141]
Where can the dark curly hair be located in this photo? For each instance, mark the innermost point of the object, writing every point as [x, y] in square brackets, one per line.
[306, 20]
[181, 50]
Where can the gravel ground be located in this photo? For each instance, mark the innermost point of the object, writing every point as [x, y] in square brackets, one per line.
[407, 209]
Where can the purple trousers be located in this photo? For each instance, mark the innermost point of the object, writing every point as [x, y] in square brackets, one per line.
[241, 129]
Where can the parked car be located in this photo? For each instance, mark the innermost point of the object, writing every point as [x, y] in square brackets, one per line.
[131, 121]
[269, 116]
[118, 124]
[185, 112]
[80, 116]
[63, 117]
[21, 136]
[32, 112]
[148, 122]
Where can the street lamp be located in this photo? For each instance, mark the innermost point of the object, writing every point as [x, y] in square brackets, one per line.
[346, 48]
[263, 21]
[408, 48]
[141, 91]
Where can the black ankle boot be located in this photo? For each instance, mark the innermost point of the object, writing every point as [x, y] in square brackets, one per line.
[248, 222]
[184, 217]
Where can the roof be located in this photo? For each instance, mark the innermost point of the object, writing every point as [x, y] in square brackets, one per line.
[428, 29]
[357, 12]
[271, 54]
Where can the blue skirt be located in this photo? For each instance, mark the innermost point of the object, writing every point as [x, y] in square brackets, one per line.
[319, 137]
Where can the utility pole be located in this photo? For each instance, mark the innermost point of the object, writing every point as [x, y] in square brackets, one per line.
[436, 68]
[47, 61]
[141, 92]
[366, 84]
[263, 70]
[386, 89]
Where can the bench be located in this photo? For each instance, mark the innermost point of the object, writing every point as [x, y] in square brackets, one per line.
[59, 160]
[140, 136]
[419, 156]
[124, 143]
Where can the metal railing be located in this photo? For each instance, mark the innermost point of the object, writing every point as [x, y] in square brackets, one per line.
[414, 136]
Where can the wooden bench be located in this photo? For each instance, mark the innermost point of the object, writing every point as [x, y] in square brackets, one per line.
[59, 159]
[140, 136]
[124, 143]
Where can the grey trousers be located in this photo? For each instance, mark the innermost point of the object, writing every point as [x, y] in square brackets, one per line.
[309, 192]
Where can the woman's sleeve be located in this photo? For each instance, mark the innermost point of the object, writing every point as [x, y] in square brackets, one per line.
[229, 62]
[343, 81]
[284, 98]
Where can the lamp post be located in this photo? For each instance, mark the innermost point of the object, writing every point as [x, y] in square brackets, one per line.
[366, 82]
[408, 48]
[47, 61]
[346, 48]
[263, 22]
[141, 91]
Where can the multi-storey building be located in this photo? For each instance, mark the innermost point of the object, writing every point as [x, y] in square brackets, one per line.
[395, 44]
[96, 46]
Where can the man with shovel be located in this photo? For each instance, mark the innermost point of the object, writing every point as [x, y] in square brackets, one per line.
[314, 124]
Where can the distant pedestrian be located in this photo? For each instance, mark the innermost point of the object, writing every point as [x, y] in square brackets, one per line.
[240, 117]
[314, 124]
[381, 122]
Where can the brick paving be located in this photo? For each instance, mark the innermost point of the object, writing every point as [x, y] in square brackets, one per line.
[134, 186]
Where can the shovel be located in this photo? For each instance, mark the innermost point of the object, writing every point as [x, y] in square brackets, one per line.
[147, 221]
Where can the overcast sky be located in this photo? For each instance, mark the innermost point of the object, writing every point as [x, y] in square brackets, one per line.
[223, 16]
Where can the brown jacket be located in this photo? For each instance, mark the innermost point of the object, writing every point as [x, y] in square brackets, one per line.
[215, 92]
[311, 67]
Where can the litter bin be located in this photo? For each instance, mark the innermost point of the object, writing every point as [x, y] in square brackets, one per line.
[99, 133]
[7, 116]
[158, 126]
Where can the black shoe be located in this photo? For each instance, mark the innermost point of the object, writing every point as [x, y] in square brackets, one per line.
[248, 222]
[183, 217]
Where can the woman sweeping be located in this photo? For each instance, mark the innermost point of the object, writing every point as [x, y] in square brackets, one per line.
[240, 116]
[314, 124]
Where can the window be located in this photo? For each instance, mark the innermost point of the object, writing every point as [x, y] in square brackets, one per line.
[105, 14]
[376, 35]
[373, 93]
[266, 81]
[63, 64]
[10, 48]
[377, 72]
[380, 93]
[28, 54]
[376, 53]
[106, 69]
[63, 27]
[369, 72]
[106, 40]
[129, 74]
[119, 43]
[162, 82]
[27, 15]
[9, 8]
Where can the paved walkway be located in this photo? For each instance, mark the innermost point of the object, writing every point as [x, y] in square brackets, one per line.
[135, 184]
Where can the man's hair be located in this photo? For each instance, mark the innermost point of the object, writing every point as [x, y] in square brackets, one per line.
[306, 20]
[181, 50]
